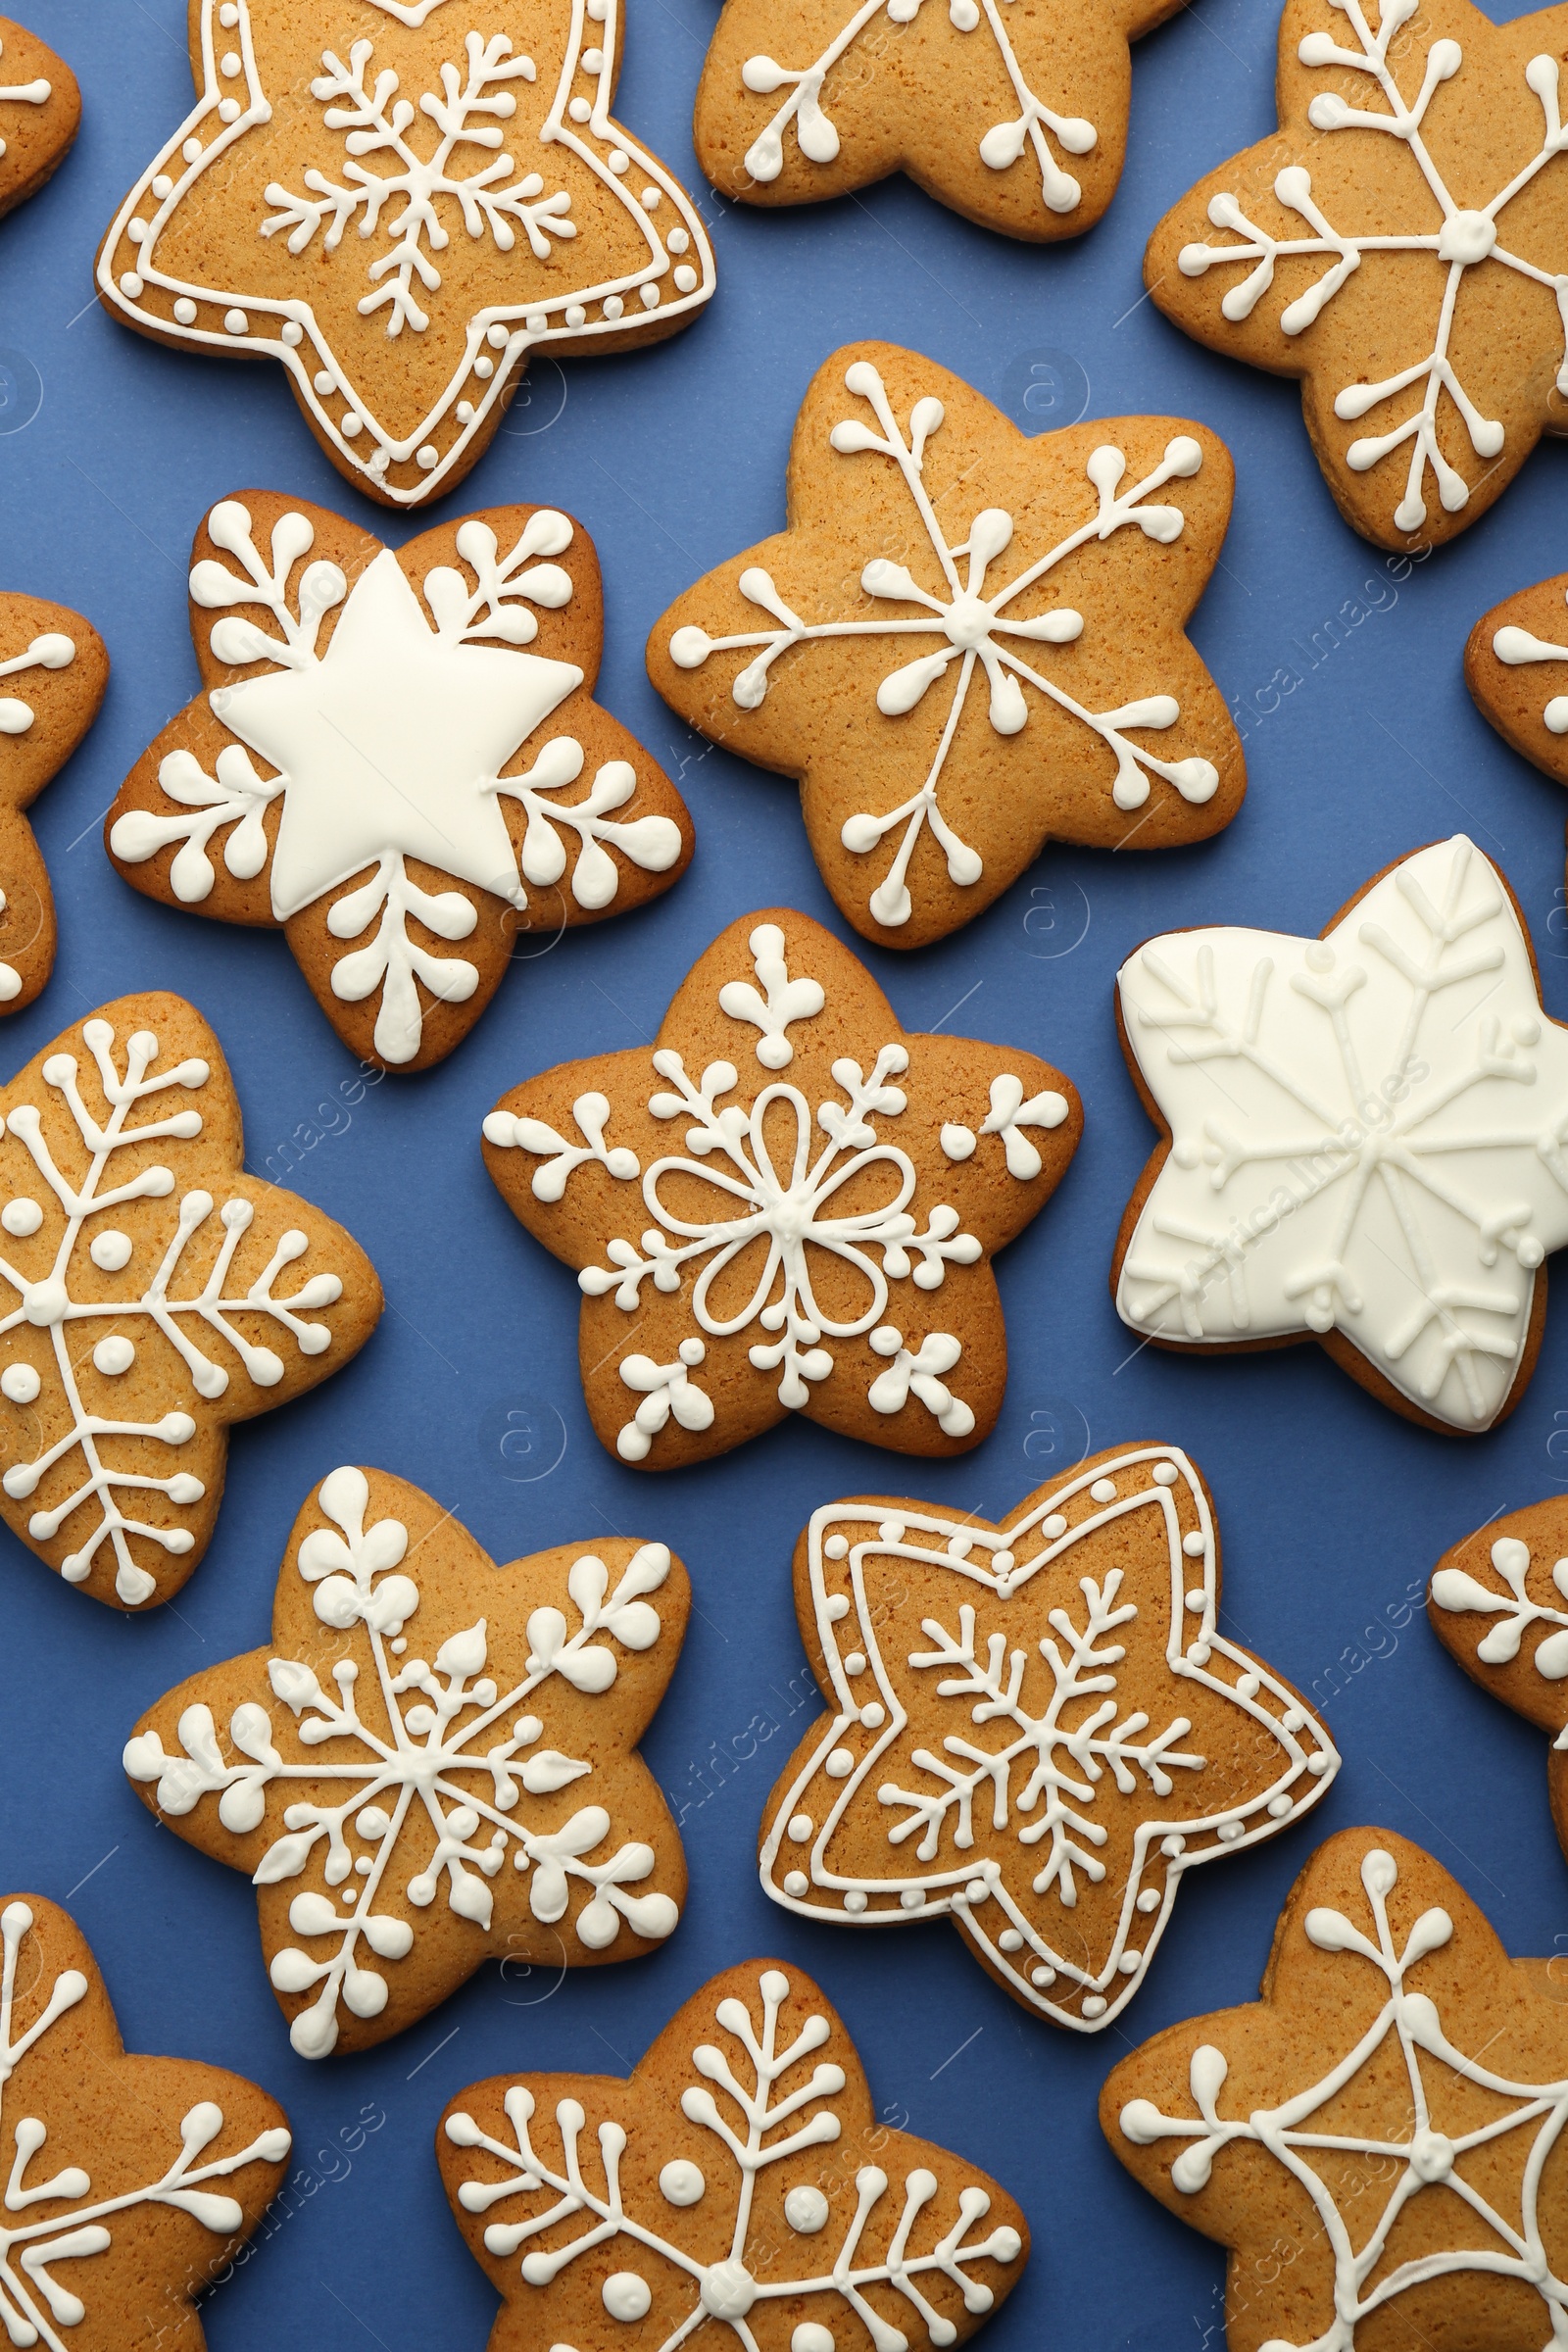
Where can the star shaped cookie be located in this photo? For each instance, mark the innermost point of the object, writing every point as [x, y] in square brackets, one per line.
[1396, 244]
[41, 113]
[402, 209]
[1035, 1729]
[53, 671]
[786, 1203]
[434, 775]
[1019, 672]
[1516, 666]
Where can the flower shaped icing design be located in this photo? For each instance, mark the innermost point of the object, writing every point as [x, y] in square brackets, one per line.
[1367, 1140]
[373, 171]
[1015, 669]
[1398, 244]
[432, 1763]
[151, 1294]
[430, 754]
[1035, 1730]
[1516, 666]
[1374, 2138]
[41, 113]
[53, 672]
[787, 1205]
[145, 2193]
[784, 2213]
[981, 102]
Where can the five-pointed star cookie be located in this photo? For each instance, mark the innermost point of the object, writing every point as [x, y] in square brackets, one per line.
[148, 1296]
[53, 672]
[1013, 114]
[1036, 1729]
[1375, 2139]
[135, 2180]
[1366, 1140]
[787, 1203]
[402, 209]
[432, 1763]
[41, 113]
[738, 2189]
[1398, 244]
[435, 774]
[1019, 672]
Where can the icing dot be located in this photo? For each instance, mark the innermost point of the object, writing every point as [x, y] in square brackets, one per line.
[110, 1250]
[364, 1866]
[593, 61]
[464, 412]
[22, 1216]
[855, 1663]
[613, 306]
[325, 380]
[496, 337]
[537, 322]
[228, 14]
[681, 2182]
[977, 1891]
[800, 1828]
[1195, 1543]
[810, 2336]
[1293, 1719]
[371, 1822]
[579, 110]
[484, 368]
[185, 310]
[840, 1764]
[1172, 1845]
[1247, 1686]
[427, 458]
[129, 283]
[619, 162]
[625, 2296]
[193, 151]
[685, 279]
[349, 425]
[114, 1356]
[1093, 2005]
[21, 1382]
[1279, 1807]
[677, 240]
[136, 231]
[1431, 2156]
[228, 110]
[891, 1531]
[1316, 1764]
[838, 1605]
[1527, 1032]
[854, 1900]
[805, 2210]
[1229, 1831]
[163, 186]
[237, 323]
[1164, 1474]
[649, 200]
[1196, 1598]
[874, 1716]
[1186, 1154]
[576, 316]
[1103, 1490]
[1053, 1527]
[1320, 956]
[1199, 1654]
[291, 331]
[1529, 1252]
[231, 64]
[835, 1547]
[1042, 1976]
[796, 1884]
[1002, 1561]
[1130, 1963]
[1010, 1939]
[648, 295]
[912, 1898]
[1149, 1900]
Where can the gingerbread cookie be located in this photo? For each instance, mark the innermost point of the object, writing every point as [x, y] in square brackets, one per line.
[1397, 245]
[41, 113]
[150, 1311]
[1499, 1604]
[948, 718]
[434, 768]
[483, 1801]
[1056, 1834]
[1375, 2138]
[154, 2171]
[53, 672]
[1383, 1167]
[739, 2185]
[1518, 673]
[842, 1170]
[402, 203]
[1015, 115]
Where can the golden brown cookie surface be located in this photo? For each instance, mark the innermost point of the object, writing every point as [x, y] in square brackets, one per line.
[41, 113]
[54, 667]
[1499, 1604]
[1516, 666]
[966, 642]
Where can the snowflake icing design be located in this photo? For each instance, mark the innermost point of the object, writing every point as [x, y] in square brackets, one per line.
[436, 1791]
[199, 1318]
[766, 2099]
[996, 1805]
[1458, 1594]
[1520, 648]
[1364, 1127]
[1422, 2157]
[36, 92]
[389, 745]
[36, 2304]
[1466, 239]
[971, 613]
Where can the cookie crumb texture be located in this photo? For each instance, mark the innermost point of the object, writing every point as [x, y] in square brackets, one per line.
[402, 208]
[1035, 1730]
[479, 1795]
[1022, 674]
[739, 2184]
[153, 1293]
[1011, 112]
[1375, 2138]
[437, 783]
[154, 2171]
[1397, 245]
[54, 667]
[41, 113]
[787, 1205]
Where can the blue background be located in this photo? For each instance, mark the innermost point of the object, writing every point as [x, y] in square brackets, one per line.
[1332, 1510]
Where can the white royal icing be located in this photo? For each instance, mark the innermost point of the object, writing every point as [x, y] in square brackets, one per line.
[22, 93]
[970, 614]
[34, 2304]
[413, 209]
[1458, 1594]
[389, 746]
[1463, 239]
[1518, 647]
[50, 652]
[1067, 1754]
[1369, 1134]
[757, 2106]
[400, 1789]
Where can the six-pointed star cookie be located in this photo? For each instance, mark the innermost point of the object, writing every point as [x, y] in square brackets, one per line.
[432, 1763]
[1398, 244]
[788, 1203]
[1375, 2139]
[1023, 675]
[723, 2193]
[1012, 112]
[1366, 1140]
[53, 672]
[141, 1312]
[135, 2180]
[41, 113]
[433, 768]
[402, 209]
[1036, 1729]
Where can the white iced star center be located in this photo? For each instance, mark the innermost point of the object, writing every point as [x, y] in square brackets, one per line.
[728, 2291]
[44, 1303]
[1431, 2157]
[1467, 237]
[968, 623]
